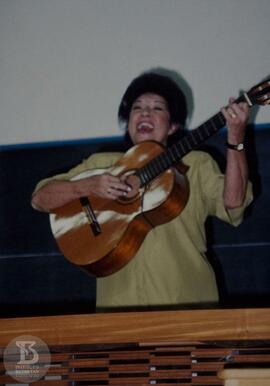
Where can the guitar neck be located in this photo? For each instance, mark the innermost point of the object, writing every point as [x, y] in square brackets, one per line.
[177, 151]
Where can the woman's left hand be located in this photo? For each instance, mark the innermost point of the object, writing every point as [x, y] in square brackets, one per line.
[236, 115]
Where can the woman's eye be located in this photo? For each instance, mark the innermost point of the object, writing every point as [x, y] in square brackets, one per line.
[153, 108]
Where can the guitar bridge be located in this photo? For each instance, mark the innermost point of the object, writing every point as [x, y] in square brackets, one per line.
[91, 217]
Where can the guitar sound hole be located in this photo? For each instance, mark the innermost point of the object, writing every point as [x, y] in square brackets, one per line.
[133, 182]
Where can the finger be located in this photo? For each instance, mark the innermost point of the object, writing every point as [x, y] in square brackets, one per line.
[228, 114]
[233, 111]
[117, 192]
[109, 193]
[122, 187]
[238, 106]
[117, 184]
[243, 106]
[114, 194]
[241, 111]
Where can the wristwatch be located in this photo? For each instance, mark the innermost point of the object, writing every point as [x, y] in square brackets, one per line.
[238, 147]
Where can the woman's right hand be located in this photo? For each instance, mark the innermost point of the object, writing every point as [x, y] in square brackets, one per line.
[105, 185]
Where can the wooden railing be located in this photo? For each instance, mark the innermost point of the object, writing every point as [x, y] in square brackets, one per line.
[142, 348]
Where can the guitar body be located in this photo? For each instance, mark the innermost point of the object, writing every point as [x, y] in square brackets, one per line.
[124, 223]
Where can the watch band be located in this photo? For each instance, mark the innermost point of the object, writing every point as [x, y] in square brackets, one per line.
[238, 147]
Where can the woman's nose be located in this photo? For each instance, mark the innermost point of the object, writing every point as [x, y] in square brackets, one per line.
[146, 110]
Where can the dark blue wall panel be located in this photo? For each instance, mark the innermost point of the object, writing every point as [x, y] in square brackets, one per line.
[35, 278]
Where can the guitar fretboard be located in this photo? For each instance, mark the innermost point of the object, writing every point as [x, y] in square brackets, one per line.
[175, 152]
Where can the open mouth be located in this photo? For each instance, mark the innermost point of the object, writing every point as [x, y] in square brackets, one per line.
[145, 127]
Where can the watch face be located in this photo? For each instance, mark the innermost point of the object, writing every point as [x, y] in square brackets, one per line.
[240, 146]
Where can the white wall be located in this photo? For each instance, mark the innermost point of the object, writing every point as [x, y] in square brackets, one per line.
[64, 64]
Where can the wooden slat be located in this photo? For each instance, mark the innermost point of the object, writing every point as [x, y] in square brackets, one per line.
[169, 326]
[207, 381]
[173, 360]
[128, 368]
[85, 362]
[208, 366]
[49, 383]
[252, 359]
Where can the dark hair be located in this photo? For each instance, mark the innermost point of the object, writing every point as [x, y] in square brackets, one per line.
[162, 85]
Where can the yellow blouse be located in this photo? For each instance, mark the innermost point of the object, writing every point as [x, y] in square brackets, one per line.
[170, 267]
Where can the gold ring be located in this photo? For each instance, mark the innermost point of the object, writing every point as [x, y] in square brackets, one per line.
[233, 115]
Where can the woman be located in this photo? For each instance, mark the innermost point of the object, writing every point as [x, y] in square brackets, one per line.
[170, 267]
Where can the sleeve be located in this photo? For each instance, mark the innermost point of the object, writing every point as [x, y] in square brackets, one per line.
[63, 176]
[212, 181]
[100, 160]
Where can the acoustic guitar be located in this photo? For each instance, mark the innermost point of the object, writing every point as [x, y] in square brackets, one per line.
[102, 235]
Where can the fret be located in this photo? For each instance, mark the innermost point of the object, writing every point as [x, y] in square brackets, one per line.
[209, 127]
[183, 151]
[172, 156]
[186, 139]
[159, 165]
[199, 133]
[152, 170]
[192, 136]
[147, 175]
[165, 160]
[211, 121]
[168, 159]
[156, 166]
[204, 126]
[205, 132]
[177, 154]
[147, 172]
[143, 176]
[221, 119]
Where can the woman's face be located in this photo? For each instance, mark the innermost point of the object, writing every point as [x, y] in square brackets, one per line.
[149, 119]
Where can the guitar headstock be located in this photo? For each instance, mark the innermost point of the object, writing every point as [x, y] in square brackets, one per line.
[259, 94]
